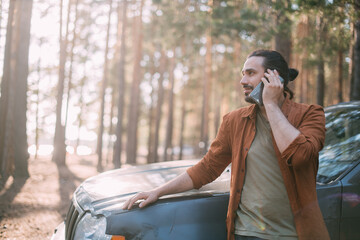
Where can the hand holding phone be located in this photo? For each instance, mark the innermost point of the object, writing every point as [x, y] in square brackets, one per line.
[256, 94]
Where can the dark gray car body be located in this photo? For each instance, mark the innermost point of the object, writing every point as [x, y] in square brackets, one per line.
[200, 214]
[196, 214]
[339, 196]
[340, 205]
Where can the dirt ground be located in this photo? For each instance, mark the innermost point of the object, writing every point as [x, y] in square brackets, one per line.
[32, 208]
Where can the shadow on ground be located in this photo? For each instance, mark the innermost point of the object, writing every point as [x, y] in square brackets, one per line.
[11, 192]
[68, 183]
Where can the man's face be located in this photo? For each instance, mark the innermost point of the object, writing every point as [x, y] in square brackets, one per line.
[252, 73]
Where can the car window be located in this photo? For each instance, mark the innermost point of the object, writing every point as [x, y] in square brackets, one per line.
[342, 144]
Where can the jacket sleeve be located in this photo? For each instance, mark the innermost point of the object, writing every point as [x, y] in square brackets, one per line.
[215, 161]
[307, 145]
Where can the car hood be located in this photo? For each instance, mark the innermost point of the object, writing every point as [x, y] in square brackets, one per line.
[105, 193]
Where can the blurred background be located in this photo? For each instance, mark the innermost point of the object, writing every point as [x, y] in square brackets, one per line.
[142, 81]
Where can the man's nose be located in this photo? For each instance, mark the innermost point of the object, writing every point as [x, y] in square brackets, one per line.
[244, 80]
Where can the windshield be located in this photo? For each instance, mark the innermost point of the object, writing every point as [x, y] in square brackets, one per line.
[342, 144]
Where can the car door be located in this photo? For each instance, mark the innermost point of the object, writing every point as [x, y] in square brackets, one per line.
[329, 197]
[350, 214]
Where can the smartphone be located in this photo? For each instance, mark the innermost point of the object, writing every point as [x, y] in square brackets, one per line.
[256, 94]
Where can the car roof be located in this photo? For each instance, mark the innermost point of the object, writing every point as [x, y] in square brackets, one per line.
[343, 105]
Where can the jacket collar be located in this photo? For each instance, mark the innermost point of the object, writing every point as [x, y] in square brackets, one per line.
[250, 111]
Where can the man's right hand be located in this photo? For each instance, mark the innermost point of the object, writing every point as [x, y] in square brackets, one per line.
[181, 183]
[148, 197]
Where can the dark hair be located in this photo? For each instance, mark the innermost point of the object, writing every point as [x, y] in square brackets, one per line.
[274, 60]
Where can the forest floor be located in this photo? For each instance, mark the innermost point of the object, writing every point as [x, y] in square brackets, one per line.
[32, 208]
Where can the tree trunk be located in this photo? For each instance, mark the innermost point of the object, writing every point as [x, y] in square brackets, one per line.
[283, 37]
[237, 98]
[320, 86]
[320, 82]
[83, 82]
[218, 94]
[73, 42]
[305, 84]
[160, 100]
[302, 32]
[103, 92]
[1, 12]
[131, 145]
[204, 135]
[283, 25]
[13, 141]
[182, 128]
[37, 128]
[355, 83]
[59, 155]
[151, 119]
[23, 40]
[340, 76]
[121, 91]
[82, 105]
[111, 127]
[7, 102]
[170, 120]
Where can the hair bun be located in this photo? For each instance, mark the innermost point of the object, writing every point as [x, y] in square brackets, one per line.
[293, 73]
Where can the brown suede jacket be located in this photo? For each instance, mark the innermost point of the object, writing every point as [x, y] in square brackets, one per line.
[298, 163]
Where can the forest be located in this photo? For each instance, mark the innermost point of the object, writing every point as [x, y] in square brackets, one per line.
[143, 81]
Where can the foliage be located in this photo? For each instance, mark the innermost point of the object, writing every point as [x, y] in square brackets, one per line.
[181, 29]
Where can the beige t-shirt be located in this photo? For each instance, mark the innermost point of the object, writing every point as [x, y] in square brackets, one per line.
[264, 210]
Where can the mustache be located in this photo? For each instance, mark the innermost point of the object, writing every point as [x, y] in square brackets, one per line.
[248, 86]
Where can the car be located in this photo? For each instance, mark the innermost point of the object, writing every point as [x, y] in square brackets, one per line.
[96, 208]
[338, 179]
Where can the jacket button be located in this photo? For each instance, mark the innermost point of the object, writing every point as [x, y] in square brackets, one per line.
[246, 149]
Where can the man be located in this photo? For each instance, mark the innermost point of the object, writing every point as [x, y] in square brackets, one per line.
[273, 148]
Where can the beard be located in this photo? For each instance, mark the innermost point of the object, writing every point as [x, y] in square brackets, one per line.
[247, 98]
